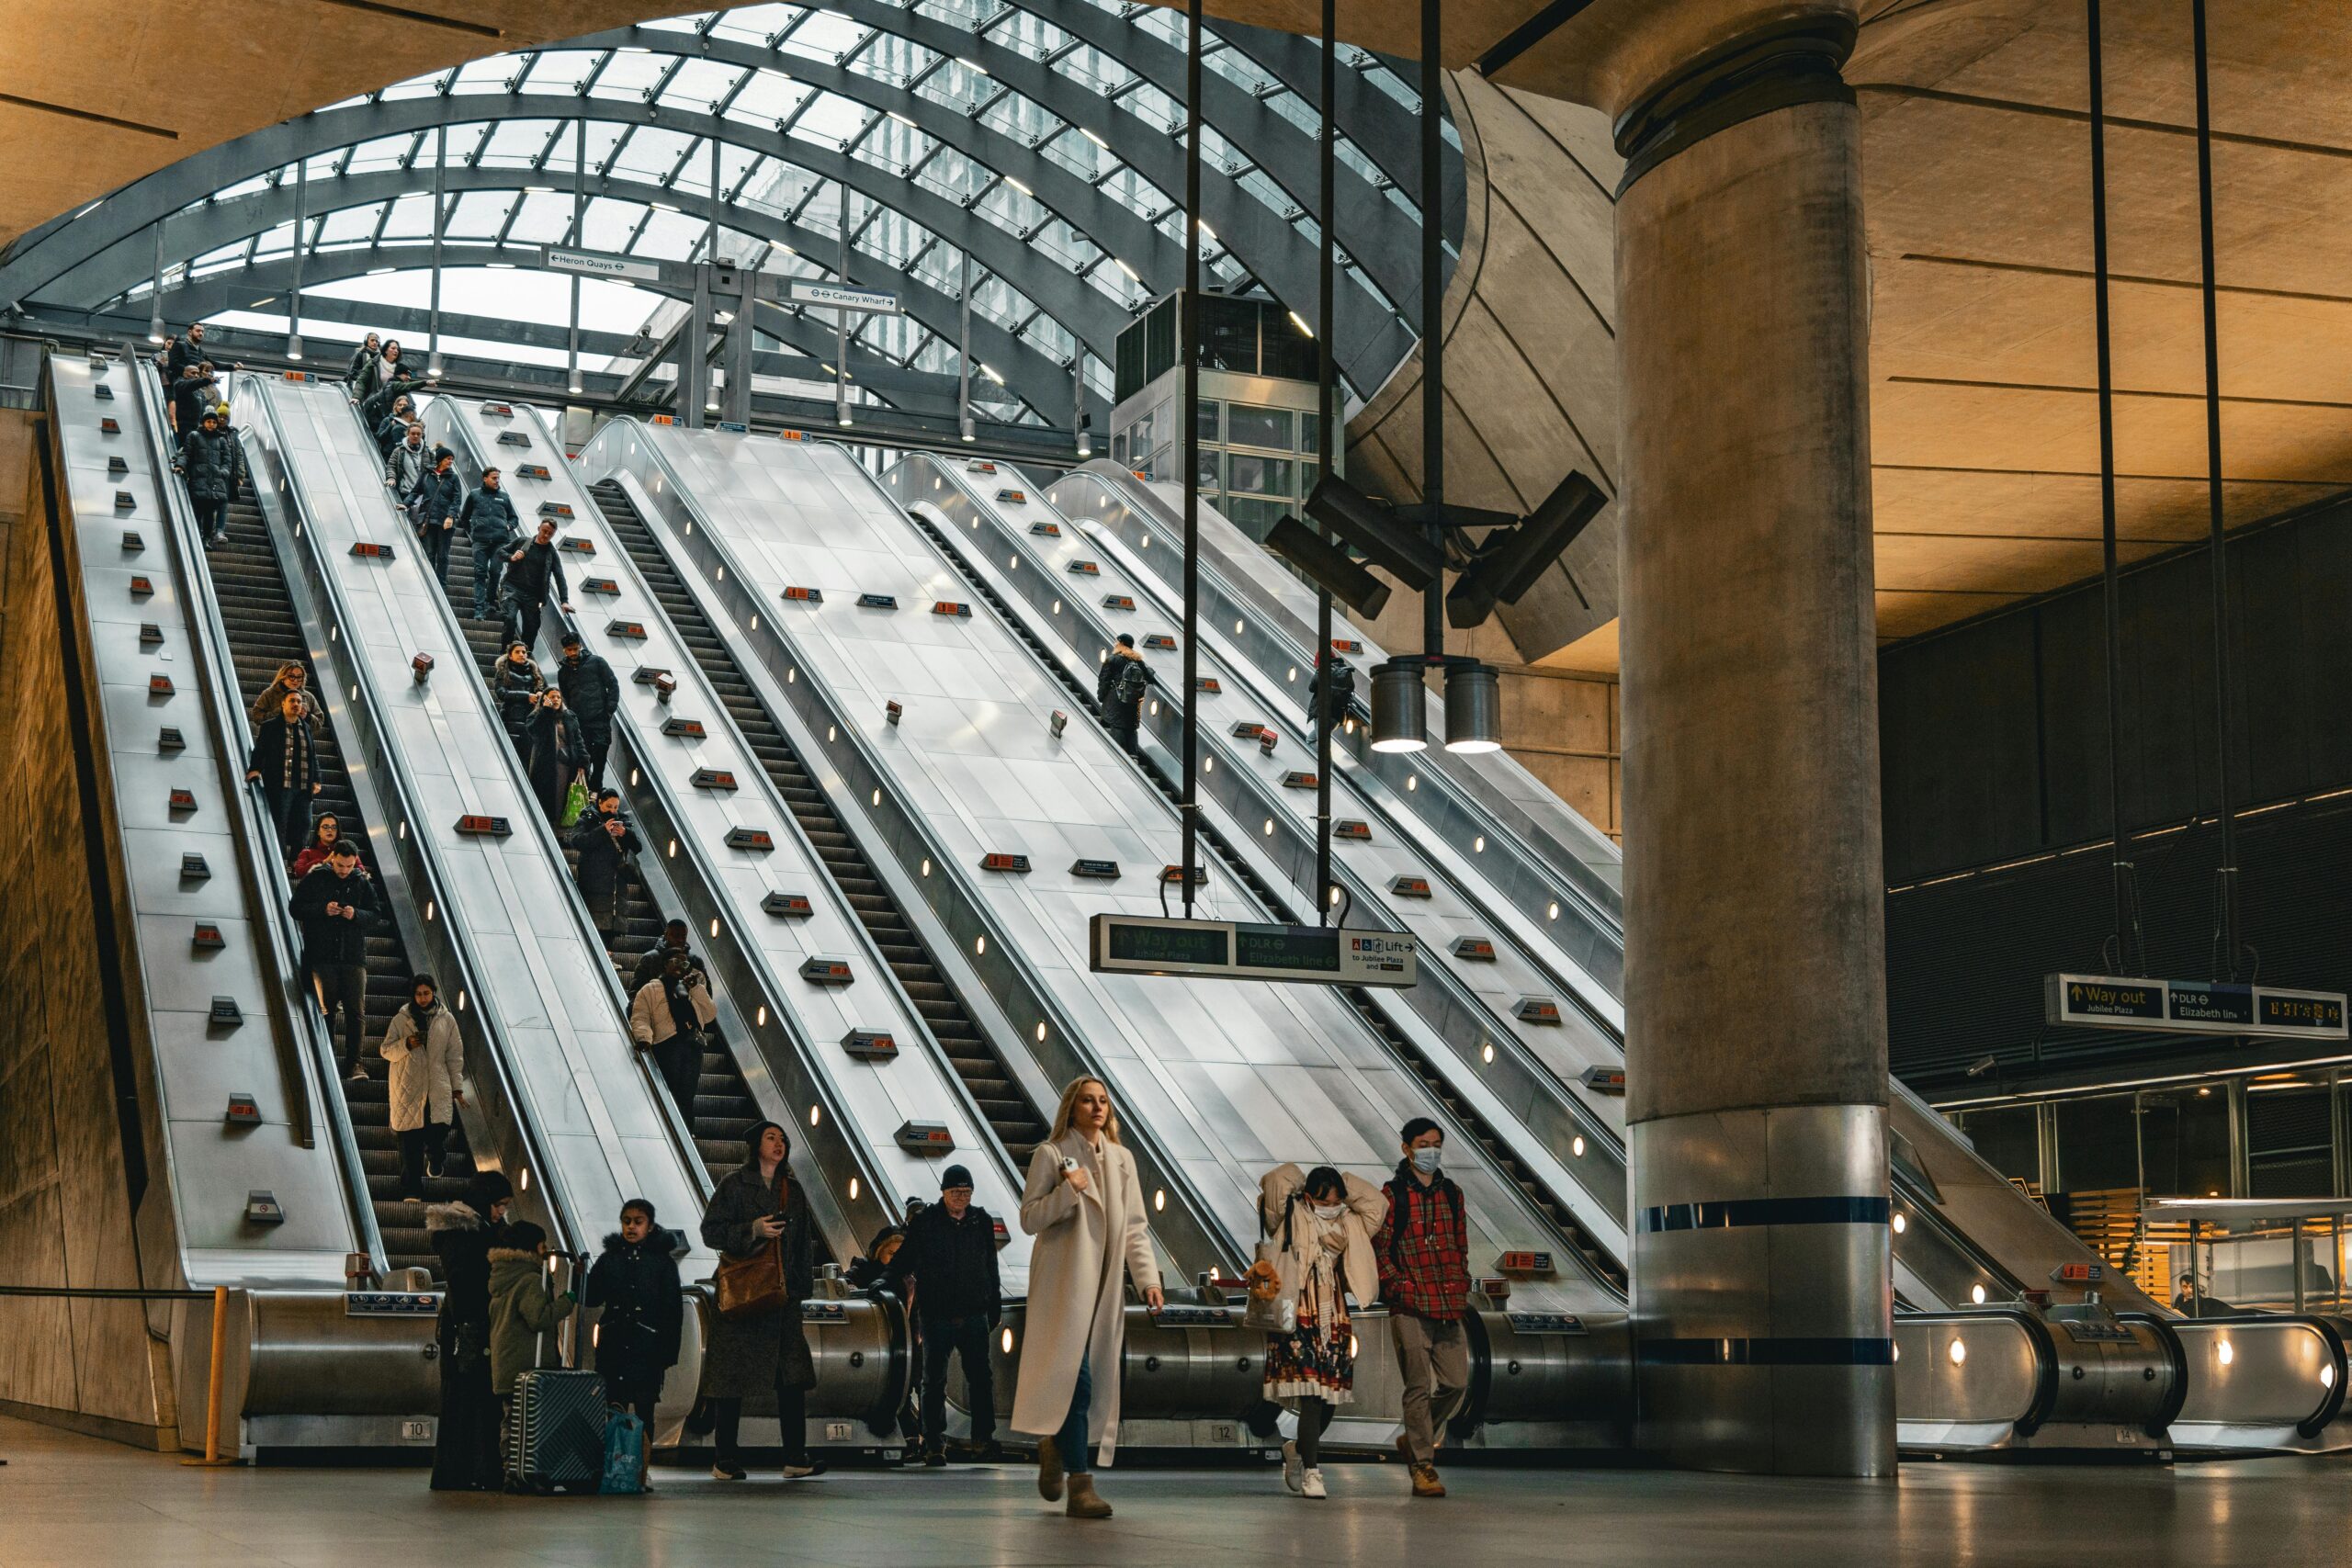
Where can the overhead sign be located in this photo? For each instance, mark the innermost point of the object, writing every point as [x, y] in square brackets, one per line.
[834, 296]
[1144, 944]
[2192, 1007]
[596, 264]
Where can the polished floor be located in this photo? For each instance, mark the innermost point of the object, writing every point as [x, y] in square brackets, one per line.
[71, 1500]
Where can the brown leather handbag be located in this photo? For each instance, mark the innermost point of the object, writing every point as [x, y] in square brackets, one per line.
[754, 1286]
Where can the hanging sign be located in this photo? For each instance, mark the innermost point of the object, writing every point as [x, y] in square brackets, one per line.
[595, 263]
[2192, 1007]
[834, 296]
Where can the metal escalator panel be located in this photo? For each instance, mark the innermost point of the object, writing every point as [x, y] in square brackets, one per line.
[199, 935]
[862, 1054]
[1545, 871]
[1520, 1080]
[539, 978]
[1233, 1077]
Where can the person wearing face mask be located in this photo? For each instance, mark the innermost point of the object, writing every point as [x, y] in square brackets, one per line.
[1423, 1253]
[1085, 1206]
[1323, 1222]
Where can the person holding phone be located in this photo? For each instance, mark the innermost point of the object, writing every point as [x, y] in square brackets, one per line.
[1085, 1206]
[756, 1207]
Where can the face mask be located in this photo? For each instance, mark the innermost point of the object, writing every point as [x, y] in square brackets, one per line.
[1426, 1159]
[1330, 1211]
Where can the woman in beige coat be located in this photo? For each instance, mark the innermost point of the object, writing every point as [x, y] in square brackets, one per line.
[1086, 1209]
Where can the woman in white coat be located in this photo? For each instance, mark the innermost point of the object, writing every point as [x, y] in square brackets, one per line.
[1322, 1223]
[425, 1063]
[1086, 1209]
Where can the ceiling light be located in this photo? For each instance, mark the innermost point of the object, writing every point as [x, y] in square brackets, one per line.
[1473, 709]
[1399, 706]
[1300, 323]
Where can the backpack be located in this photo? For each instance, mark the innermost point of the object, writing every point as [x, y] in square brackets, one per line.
[1134, 681]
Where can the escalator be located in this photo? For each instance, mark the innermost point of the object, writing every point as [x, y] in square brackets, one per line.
[723, 1110]
[249, 586]
[993, 1088]
[1597, 1255]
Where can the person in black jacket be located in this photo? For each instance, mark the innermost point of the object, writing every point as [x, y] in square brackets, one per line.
[605, 842]
[195, 391]
[465, 1446]
[361, 358]
[488, 518]
[531, 571]
[433, 511]
[553, 753]
[592, 690]
[379, 373]
[406, 465]
[209, 461]
[657, 958]
[635, 1284]
[1119, 686]
[286, 764]
[336, 908]
[394, 424]
[950, 1252]
[756, 1207]
[182, 352]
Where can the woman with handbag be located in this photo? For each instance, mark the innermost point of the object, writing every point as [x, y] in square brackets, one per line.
[557, 760]
[758, 1224]
[1318, 1251]
[1085, 1206]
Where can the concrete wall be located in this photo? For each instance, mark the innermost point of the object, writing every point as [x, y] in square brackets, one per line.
[67, 1210]
[1531, 355]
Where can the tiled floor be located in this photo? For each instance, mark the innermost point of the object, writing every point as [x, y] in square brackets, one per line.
[70, 1500]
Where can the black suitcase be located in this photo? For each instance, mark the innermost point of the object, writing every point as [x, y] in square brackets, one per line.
[555, 1434]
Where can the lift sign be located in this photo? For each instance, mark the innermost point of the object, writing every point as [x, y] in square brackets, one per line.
[2192, 1007]
[1143, 944]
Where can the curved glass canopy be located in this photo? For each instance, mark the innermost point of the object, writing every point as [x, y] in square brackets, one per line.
[1029, 155]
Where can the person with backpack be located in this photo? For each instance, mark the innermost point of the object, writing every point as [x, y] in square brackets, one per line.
[1423, 1252]
[1322, 1225]
[209, 462]
[488, 518]
[433, 512]
[424, 1079]
[758, 1208]
[634, 1285]
[1119, 688]
[949, 1250]
[592, 690]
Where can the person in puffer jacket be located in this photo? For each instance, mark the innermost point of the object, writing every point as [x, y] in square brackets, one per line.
[209, 461]
[525, 1311]
[488, 518]
[634, 1283]
[426, 1065]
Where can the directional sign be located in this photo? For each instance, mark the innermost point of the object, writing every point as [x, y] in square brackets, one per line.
[833, 297]
[595, 263]
[2192, 1007]
[1144, 945]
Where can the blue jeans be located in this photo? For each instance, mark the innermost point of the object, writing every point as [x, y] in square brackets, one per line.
[1077, 1454]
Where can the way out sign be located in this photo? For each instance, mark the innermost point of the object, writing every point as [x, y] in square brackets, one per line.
[2192, 1007]
[834, 296]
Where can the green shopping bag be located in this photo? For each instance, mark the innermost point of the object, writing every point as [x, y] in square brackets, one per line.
[575, 801]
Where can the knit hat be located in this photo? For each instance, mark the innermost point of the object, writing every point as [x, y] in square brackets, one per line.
[955, 1176]
[487, 1188]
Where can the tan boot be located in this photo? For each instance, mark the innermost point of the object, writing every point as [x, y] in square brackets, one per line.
[1084, 1504]
[1425, 1482]
[1049, 1471]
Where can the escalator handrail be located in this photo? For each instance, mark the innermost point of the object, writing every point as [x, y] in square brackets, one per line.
[309, 1066]
[680, 1131]
[1460, 996]
[1171, 1176]
[402, 789]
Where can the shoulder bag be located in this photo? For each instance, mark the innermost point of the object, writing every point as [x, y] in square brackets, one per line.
[754, 1286]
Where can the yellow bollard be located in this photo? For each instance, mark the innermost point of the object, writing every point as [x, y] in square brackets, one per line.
[211, 1455]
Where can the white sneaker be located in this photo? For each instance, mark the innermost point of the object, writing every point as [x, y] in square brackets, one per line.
[1294, 1473]
[1313, 1485]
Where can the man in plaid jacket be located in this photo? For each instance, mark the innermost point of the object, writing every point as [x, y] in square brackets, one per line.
[1423, 1247]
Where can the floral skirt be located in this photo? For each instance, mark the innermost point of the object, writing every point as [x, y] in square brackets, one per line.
[1312, 1360]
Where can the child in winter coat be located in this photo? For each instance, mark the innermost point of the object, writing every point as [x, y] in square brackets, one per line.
[634, 1281]
[523, 1313]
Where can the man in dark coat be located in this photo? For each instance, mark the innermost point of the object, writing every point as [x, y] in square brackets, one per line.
[950, 1251]
[284, 762]
[531, 571]
[635, 1284]
[433, 510]
[195, 391]
[186, 350]
[604, 842]
[488, 518]
[592, 690]
[209, 461]
[1119, 686]
[336, 908]
[756, 1207]
[465, 1446]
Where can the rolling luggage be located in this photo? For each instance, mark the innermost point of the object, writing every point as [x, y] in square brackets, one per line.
[555, 1434]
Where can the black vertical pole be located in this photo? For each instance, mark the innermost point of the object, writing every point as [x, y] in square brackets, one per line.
[1189, 313]
[1432, 326]
[2225, 876]
[2124, 960]
[1327, 445]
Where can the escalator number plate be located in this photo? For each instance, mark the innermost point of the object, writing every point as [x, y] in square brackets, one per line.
[824, 971]
[1100, 870]
[159, 686]
[999, 861]
[1296, 780]
[1117, 601]
[1537, 1010]
[1085, 568]
[978, 468]
[878, 602]
[537, 471]
[1355, 832]
[1013, 497]
[1524, 1262]
[689, 728]
[499, 410]
[604, 585]
[576, 545]
[870, 1044]
[490, 827]
[367, 551]
[650, 675]
[1346, 645]
[1410, 887]
[140, 588]
[951, 607]
[512, 438]
[633, 631]
[1174, 874]
[1474, 949]
[791, 906]
[1207, 683]
[209, 936]
[804, 595]
[1046, 530]
[925, 1137]
[749, 839]
[713, 778]
[1161, 642]
[1248, 730]
[563, 508]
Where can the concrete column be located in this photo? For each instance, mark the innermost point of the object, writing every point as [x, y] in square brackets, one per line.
[1756, 1019]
